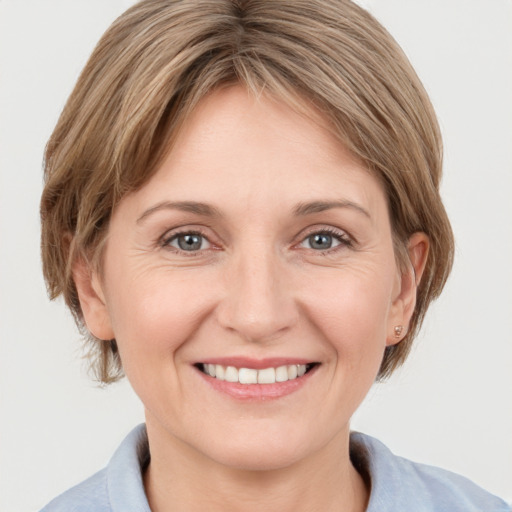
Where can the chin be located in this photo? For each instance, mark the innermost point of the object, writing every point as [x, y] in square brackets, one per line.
[264, 451]
[259, 458]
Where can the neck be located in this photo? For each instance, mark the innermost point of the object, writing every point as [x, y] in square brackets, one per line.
[178, 478]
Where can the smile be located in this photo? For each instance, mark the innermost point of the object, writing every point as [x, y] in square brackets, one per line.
[271, 375]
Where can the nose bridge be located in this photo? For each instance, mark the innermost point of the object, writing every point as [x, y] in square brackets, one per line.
[258, 303]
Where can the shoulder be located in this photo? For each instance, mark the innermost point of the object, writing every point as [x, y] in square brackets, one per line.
[398, 483]
[88, 496]
[117, 487]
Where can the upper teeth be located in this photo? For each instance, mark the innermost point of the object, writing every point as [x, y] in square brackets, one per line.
[252, 376]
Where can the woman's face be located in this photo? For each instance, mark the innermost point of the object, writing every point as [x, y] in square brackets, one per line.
[260, 244]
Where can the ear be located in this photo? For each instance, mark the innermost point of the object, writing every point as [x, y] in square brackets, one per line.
[92, 300]
[404, 300]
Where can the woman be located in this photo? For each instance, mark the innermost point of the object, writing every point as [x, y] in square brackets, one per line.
[242, 210]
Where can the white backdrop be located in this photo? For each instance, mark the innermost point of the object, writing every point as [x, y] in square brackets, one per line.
[451, 405]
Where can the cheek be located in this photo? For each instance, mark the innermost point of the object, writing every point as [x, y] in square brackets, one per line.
[153, 317]
[157, 311]
[349, 313]
[351, 310]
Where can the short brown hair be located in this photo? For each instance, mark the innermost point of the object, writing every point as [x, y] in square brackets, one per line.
[156, 62]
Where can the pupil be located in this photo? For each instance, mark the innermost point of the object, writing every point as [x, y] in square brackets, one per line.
[189, 242]
[320, 241]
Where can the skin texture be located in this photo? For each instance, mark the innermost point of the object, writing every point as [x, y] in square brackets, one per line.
[257, 288]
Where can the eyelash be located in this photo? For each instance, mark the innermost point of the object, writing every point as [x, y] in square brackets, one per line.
[342, 237]
[167, 238]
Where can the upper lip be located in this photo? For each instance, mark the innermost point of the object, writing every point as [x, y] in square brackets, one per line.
[256, 364]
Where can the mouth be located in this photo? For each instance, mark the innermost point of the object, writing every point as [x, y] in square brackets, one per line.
[248, 376]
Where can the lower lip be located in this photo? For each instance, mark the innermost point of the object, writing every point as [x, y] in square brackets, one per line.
[258, 391]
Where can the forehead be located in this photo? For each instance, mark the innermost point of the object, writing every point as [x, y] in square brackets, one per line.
[236, 114]
[240, 150]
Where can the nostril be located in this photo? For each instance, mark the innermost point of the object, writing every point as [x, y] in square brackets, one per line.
[257, 304]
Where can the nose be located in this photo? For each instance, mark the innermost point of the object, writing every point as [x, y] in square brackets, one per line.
[258, 303]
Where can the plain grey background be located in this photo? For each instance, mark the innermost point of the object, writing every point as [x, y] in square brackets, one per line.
[451, 405]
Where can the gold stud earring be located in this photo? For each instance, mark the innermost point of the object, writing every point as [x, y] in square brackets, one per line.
[398, 331]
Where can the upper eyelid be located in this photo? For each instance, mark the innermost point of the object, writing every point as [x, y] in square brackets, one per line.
[172, 233]
[184, 230]
[341, 233]
[346, 241]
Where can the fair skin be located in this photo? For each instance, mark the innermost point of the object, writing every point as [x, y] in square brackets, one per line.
[259, 243]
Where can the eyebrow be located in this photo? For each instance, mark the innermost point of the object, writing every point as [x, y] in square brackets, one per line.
[321, 206]
[203, 209]
[207, 210]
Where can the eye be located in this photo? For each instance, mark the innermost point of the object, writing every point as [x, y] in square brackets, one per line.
[189, 242]
[325, 240]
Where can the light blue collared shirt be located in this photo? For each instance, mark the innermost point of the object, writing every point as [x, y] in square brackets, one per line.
[397, 484]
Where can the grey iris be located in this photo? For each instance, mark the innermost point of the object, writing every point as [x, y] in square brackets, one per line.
[190, 242]
[320, 241]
